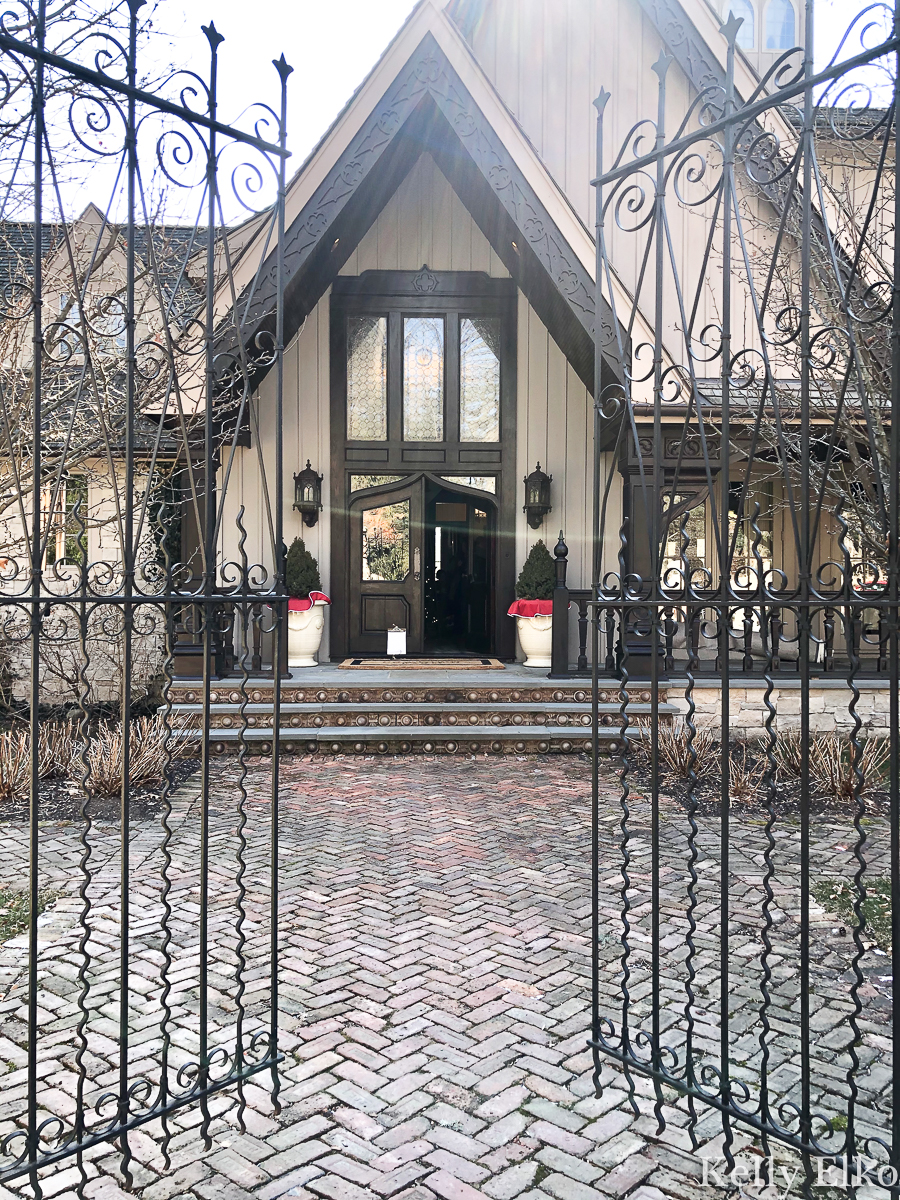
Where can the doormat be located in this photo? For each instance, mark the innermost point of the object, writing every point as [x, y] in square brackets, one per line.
[422, 664]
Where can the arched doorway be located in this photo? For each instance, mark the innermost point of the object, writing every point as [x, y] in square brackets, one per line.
[422, 557]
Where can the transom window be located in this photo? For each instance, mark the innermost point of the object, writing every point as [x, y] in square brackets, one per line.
[424, 376]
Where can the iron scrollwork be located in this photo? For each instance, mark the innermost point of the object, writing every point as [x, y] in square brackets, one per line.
[120, 417]
[768, 374]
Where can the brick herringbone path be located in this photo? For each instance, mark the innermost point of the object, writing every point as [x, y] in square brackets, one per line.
[434, 988]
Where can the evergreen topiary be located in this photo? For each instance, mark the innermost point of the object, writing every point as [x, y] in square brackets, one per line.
[538, 575]
[301, 571]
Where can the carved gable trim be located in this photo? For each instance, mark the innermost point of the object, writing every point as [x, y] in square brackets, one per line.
[398, 124]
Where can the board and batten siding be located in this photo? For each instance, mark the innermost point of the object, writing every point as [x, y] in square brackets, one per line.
[425, 222]
[549, 59]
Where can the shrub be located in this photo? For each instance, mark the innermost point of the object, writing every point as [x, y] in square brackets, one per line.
[538, 575]
[831, 762]
[149, 754]
[681, 753]
[744, 775]
[57, 746]
[831, 765]
[301, 571]
[15, 760]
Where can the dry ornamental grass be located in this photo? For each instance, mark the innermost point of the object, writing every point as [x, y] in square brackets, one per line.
[681, 753]
[745, 774]
[61, 753]
[831, 763]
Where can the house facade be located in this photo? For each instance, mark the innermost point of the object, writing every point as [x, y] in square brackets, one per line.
[441, 316]
[440, 313]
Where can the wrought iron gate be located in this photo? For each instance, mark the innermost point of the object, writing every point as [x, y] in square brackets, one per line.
[753, 300]
[125, 389]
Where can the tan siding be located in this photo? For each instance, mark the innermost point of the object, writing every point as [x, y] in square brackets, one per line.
[549, 60]
[555, 415]
[424, 222]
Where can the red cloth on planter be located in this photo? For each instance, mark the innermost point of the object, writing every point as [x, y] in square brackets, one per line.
[295, 605]
[531, 608]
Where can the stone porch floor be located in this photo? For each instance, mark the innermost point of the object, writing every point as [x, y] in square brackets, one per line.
[435, 988]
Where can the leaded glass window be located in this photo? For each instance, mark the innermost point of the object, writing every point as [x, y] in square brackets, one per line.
[385, 542]
[484, 483]
[367, 379]
[358, 482]
[423, 379]
[479, 379]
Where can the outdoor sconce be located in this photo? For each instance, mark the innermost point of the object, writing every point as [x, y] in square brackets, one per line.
[537, 496]
[308, 494]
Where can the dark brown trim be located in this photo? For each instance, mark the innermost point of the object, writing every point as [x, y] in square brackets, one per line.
[428, 108]
[453, 293]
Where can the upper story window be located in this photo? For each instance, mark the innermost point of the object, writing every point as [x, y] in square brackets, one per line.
[101, 327]
[780, 25]
[367, 378]
[479, 379]
[423, 369]
[423, 379]
[746, 37]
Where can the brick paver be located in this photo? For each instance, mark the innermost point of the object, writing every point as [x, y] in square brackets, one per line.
[434, 981]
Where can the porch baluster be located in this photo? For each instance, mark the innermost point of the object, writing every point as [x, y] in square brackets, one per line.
[855, 631]
[256, 619]
[610, 663]
[670, 627]
[582, 602]
[559, 650]
[748, 639]
[775, 624]
[828, 650]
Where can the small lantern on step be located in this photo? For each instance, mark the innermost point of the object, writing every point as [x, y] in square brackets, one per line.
[537, 496]
[308, 494]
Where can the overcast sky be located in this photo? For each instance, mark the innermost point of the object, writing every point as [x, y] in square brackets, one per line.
[331, 45]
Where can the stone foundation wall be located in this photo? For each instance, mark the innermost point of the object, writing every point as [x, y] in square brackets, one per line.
[829, 705]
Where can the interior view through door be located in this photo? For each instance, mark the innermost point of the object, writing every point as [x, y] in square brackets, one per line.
[422, 558]
[459, 571]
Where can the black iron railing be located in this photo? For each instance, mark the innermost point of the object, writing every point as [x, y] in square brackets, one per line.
[126, 381]
[755, 316]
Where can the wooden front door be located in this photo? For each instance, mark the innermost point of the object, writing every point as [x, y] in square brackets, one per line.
[386, 544]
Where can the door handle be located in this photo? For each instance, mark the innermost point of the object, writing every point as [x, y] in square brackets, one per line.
[417, 563]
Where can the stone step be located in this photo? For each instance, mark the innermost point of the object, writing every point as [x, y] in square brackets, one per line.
[532, 739]
[261, 692]
[407, 716]
[535, 719]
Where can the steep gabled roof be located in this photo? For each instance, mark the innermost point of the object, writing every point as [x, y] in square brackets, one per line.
[428, 93]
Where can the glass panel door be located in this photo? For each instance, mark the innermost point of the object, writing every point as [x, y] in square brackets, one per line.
[385, 543]
[386, 569]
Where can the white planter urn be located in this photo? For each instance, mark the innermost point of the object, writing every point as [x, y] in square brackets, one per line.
[536, 639]
[305, 634]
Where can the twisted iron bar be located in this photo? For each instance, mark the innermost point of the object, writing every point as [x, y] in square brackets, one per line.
[752, 418]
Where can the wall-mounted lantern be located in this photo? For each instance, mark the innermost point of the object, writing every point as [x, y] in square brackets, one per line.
[308, 494]
[537, 496]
